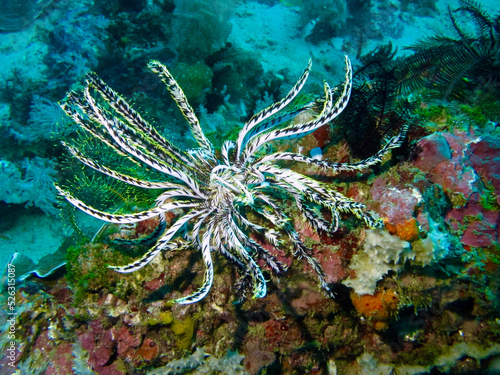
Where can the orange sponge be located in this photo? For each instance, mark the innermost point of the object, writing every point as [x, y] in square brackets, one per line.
[377, 308]
[407, 231]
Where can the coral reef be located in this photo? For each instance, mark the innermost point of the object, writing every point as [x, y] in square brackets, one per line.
[223, 196]
[413, 317]
[206, 27]
[420, 294]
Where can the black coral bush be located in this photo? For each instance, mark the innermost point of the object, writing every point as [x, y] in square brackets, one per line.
[452, 67]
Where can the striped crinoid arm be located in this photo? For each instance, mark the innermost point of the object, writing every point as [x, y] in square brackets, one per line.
[318, 223]
[238, 243]
[272, 236]
[393, 143]
[269, 210]
[116, 131]
[227, 146]
[182, 102]
[337, 203]
[149, 239]
[287, 132]
[220, 243]
[94, 118]
[276, 120]
[320, 194]
[125, 218]
[129, 139]
[117, 175]
[135, 124]
[164, 243]
[359, 210]
[302, 251]
[235, 246]
[75, 107]
[328, 113]
[216, 236]
[314, 219]
[279, 220]
[224, 245]
[151, 254]
[272, 262]
[209, 271]
[247, 130]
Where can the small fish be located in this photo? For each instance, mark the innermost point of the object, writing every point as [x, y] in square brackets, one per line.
[317, 153]
[309, 27]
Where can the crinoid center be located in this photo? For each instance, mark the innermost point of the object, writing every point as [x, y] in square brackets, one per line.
[230, 185]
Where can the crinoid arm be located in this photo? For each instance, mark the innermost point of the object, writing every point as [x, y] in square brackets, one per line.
[209, 272]
[182, 103]
[251, 128]
[329, 112]
[369, 162]
[163, 243]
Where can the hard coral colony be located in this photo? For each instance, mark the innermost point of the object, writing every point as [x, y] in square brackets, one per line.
[216, 191]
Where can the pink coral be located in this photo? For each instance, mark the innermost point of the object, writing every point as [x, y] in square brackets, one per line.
[478, 226]
[434, 149]
[442, 158]
[62, 362]
[333, 264]
[125, 339]
[456, 162]
[484, 155]
[397, 205]
[99, 343]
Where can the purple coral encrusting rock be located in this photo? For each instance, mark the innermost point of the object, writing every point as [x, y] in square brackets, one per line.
[476, 225]
[443, 160]
[464, 167]
[125, 339]
[484, 155]
[397, 205]
[99, 343]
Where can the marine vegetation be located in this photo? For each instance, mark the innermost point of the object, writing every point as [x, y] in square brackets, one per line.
[451, 67]
[227, 201]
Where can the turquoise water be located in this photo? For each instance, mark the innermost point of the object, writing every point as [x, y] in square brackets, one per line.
[357, 234]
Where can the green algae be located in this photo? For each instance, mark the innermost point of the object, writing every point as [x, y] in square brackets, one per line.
[489, 199]
[87, 270]
[163, 318]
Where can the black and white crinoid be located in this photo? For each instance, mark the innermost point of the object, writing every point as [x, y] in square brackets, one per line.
[215, 191]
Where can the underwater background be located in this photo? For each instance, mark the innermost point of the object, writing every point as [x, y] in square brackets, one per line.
[420, 296]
